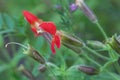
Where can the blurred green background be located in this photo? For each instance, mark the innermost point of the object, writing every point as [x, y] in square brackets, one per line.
[14, 28]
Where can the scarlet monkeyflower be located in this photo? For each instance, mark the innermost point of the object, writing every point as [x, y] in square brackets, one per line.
[39, 26]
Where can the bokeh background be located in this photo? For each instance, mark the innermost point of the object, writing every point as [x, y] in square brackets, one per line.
[14, 28]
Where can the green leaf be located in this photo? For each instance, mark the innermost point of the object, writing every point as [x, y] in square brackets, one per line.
[9, 22]
[1, 21]
[3, 68]
[1, 41]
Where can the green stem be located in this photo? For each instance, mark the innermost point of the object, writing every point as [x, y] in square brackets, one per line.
[106, 65]
[117, 66]
[113, 59]
[64, 77]
[102, 31]
[111, 52]
[25, 47]
[96, 53]
[113, 75]
[49, 69]
[93, 61]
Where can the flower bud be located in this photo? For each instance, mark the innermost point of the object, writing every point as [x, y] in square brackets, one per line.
[30, 51]
[97, 45]
[27, 73]
[86, 10]
[42, 68]
[59, 8]
[88, 70]
[34, 54]
[70, 41]
[73, 7]
[114, 42]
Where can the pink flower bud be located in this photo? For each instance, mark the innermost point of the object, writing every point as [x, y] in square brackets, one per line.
[86, 10]
[88, 70]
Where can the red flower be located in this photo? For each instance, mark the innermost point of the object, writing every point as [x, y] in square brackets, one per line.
[55, 41]
[48, 27]
[38, 27]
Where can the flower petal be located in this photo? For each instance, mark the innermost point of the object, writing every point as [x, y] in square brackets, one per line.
[48, 27]
[30, 17]
[53, 46]
[35, 31]
[57, 40]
